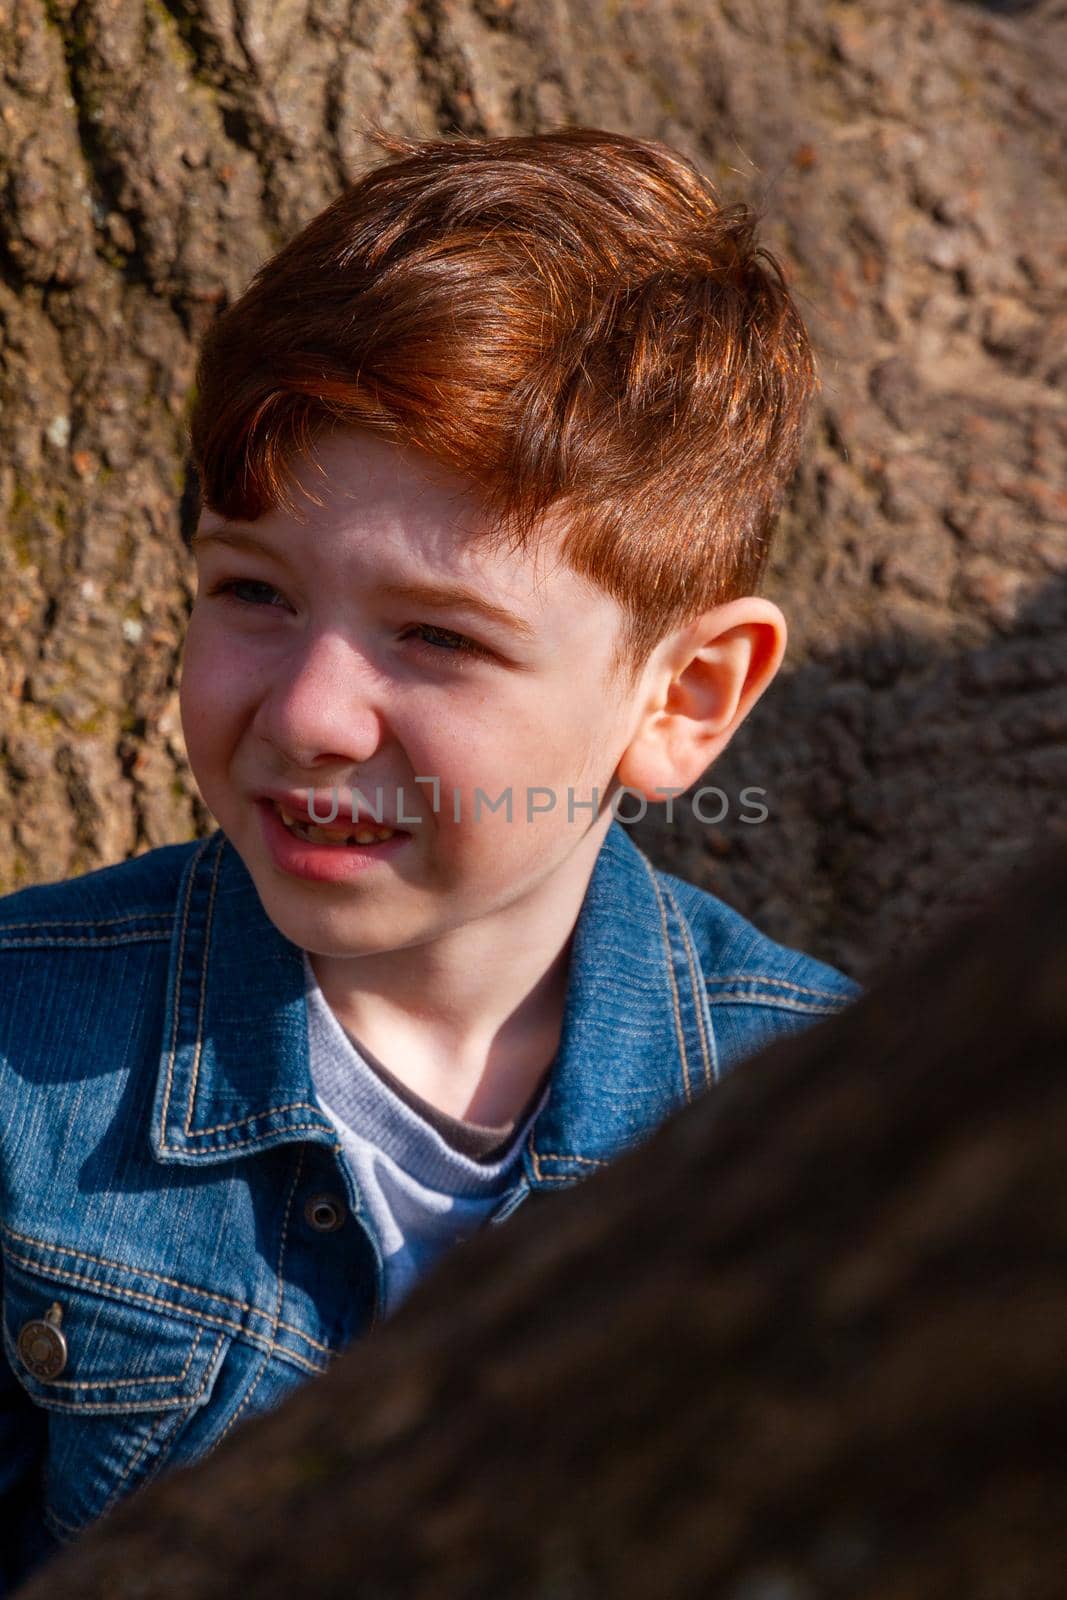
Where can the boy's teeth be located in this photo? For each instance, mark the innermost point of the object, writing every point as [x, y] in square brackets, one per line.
[315, 834]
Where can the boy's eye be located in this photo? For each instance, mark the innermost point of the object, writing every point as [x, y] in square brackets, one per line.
[439, 641]
[230, 586]
[445, 641]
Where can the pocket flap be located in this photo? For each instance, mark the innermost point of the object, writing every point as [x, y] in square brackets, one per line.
[105, 1350]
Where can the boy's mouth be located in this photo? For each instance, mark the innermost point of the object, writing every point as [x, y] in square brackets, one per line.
[337, 834]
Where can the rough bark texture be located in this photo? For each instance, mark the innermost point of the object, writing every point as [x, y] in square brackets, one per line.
[911, 160]
[805, 1344]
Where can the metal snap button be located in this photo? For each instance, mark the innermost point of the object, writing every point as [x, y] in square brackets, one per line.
[324, 1212]
[42, 1348]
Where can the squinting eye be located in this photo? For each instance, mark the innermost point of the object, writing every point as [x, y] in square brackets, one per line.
[230, 587]
[438, 641]
[442, 641]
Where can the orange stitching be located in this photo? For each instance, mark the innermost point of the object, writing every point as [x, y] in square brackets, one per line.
[218, 1127]
[159, 1277]
[256, 1116]
[277, 1312]
[125, 1383]
[670, 973]
[69, 941]
[159, 1461]
[203, 991]
[65, 1276]
[193, 869]
[781, 983]
[779, 1003]
[141, 1272]
[89, 922]
[709, 1070]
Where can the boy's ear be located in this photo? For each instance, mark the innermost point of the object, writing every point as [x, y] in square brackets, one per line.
[700, 686]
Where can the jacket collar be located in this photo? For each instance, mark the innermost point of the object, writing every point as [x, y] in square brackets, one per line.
[636, 1041]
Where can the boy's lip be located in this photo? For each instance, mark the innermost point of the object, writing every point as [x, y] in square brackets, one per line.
[298, 807]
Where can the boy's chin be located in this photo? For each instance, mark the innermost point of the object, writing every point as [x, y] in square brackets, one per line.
[324, 931]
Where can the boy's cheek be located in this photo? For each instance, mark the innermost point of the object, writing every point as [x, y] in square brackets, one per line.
[202, 728]
[190, 707]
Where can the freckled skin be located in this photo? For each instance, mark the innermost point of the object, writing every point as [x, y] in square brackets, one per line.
[447, 959]
[309, 679]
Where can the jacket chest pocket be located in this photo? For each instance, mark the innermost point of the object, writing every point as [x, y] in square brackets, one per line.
[116, 1378]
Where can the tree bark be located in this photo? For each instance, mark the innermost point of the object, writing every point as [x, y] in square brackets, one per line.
[806, 1342]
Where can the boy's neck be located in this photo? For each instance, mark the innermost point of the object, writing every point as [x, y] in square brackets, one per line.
[486, 1023]
[484, 1076]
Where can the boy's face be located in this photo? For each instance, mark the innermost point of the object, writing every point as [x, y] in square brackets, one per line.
[303, 671]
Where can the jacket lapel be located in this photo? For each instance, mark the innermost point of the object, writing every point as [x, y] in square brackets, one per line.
[234, 1073]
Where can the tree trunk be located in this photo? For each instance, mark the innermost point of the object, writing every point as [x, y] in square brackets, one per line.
[806, 1343]
[909, 159]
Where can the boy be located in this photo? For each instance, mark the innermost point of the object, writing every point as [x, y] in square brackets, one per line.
[489, 456]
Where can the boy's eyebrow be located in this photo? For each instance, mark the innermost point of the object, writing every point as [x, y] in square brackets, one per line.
[438, 596]
[446, 596]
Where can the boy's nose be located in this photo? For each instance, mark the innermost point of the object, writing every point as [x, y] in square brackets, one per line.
[321, 704]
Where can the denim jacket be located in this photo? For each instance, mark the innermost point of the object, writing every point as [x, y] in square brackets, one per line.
[182, 1244]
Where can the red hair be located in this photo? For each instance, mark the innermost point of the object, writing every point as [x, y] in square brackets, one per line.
[571, 319]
